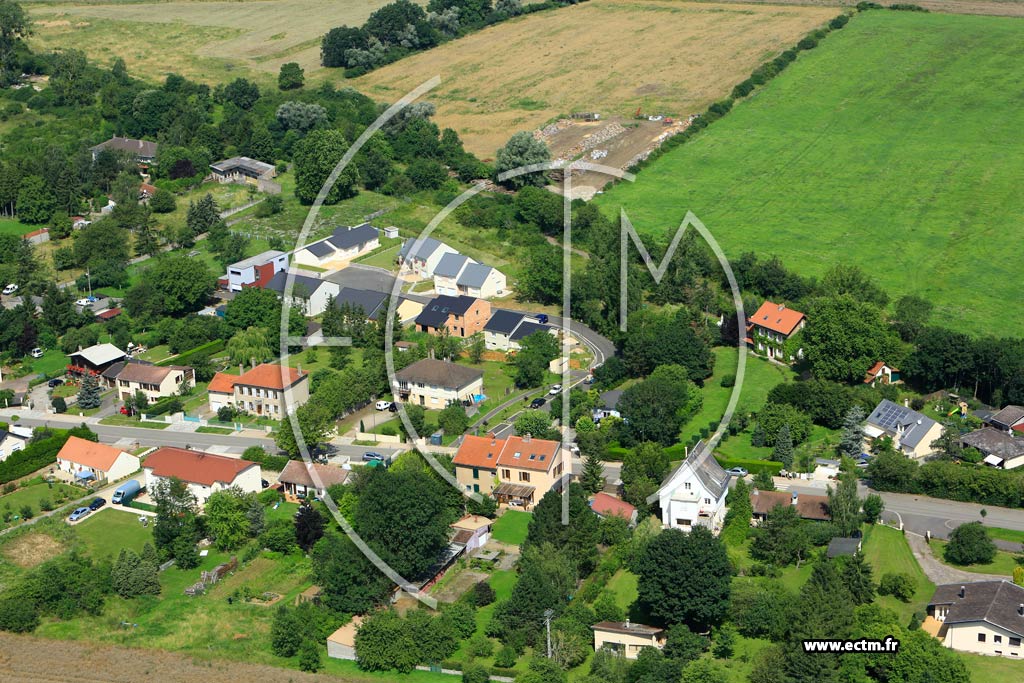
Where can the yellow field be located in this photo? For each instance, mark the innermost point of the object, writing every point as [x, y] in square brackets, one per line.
[611, 56]
[207, 41]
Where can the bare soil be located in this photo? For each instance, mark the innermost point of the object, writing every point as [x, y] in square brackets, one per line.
[31, 549]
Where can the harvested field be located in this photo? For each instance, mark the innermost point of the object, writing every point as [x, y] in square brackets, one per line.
[31, 549]
[1004, 8]
[609, 56]
[207, 41]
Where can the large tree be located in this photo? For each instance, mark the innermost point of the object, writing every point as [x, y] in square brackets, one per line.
[227, 519]
[685, 578]
[970, 544]
[15, 26]
[182, 284]
[351, 584]
[522, 149]
[315, 158]
[845, 336]
[578, 538]
[656, 408]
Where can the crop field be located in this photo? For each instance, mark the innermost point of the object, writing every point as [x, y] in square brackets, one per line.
[205, 41]
[895, 145]
[609, 56]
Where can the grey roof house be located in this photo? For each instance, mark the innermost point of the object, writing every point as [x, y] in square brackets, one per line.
[985, 617]
[1008, 419]
[694, 494]
[343, 244]
[911, 432]
[999, 448]
[435, 383]
[144, 151]
[242, 169]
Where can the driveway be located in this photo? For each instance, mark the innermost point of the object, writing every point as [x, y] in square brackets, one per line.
[939, 573]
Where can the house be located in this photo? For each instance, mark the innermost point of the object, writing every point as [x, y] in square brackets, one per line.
[154, 381]
[342, 643]
[1009, 419]
[143, 151]
[460, 316]
[627, 638]
[524, 330]
[481, 281]
[12, 440]
[37, 236]
[472, 531]
[436, 383]
[880, 373]
[311, 294]
[506, 329]
[607, 505]
[843, 547]
[203, 473]
[90, 460]
[341, 246]
[911, 432]
[297, 478]
[422, 255]
[984, 617]
[255, 271]
[999, 449]
[108, 314]
[94, 359]
[146, 192]
[109, 376]
[517, 469]
[242, 170]
[808, 506]
[772, 326]
[694, 494]
[609, 405]
[447, 272]
[370, 302]
[267, 389]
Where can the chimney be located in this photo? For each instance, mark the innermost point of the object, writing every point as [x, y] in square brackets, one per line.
[963, 591]
[906, 403]
[241, 369]
[526, 439]
[794, 498]
[782, 307]
[627, 622]
[299, 368]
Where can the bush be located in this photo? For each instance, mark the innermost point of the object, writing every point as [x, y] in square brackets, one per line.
[480, 646]
[162, 202]
[900, 586]
[26, 512]
[970, 544]
[474, 673]
[483, 594]
[59, 404]
[506, 657]
[45, 505]
[728, 381]
[227, 414]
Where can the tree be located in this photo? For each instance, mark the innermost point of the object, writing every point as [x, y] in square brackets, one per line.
[384, 642]
[290, 76]
[162, 202]
[287, 632]
[182, 284]
[783, 451]
[35, 201]
[970, 544]
[522, 149]
[175, 531]
[851, 443]
[89, 393]
[249, 346]
[301, 116]
[890, 470]
[453, 419]
[900, 586]
[683, 645]
[685, 578]
[351, 584]
[912, 314]
[782, 538]
[227, 519]
[763, 481]
[338, 41]
[578, 538]
[844, 504]
[59, 404]
[844, 336]
[872, 508]
[309, 526]
[15, 26]
[477, 346]
[536, 423]
[241, 93]
[315, 157]
[592, 477]
[132, 575]
[856, 575]
[310, 657]
[774, 415]
[657, 408]
[704, 671]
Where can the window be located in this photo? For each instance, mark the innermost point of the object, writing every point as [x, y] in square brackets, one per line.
[687, 486]
[507, 474]
[1014, 642]
[682, 522]
[707, 501]
[524, 476]
[981, 637]
[476, 488]
[997, 639]
[476, 472]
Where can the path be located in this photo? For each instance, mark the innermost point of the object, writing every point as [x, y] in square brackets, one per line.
[939, 573]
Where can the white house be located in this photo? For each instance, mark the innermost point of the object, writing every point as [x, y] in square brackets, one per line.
[506, 329]
[446, 274]
[343, 245]
[91, 460]
[472, 531]
[911, 432]
[435, 383]
[256, 271]
[481, 281]
[297, 478]
[422, 256]
[12, 440]
[694, 494]
[308, 293]
[204, 473]
[984, 617]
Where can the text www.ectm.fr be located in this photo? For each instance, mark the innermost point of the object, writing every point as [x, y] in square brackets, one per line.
[890, 645]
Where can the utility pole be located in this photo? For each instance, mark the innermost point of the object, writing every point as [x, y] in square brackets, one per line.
[548, 613]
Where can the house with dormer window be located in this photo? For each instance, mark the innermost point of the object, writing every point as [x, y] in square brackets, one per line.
[517, 470]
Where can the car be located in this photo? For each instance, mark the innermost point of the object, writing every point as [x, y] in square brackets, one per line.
[537, 402]
[542, 318]
[10, 289]
[373, 457]
[555, 389]
[82, 302]
[383, 405]
[36, 352]
[515, 503]
[78, 514]
[55, 382]
[264, 484]
[737, 471]
[393, 408]
[589, 379]
[97, 503]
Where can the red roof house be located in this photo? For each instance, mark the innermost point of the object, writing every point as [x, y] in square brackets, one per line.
[771, 326]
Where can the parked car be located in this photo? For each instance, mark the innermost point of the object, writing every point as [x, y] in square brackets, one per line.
[542, 318]
[126, 492]
[264, 484]
[537, 402]
[97, 503]
[393, 408]
[383, 405]
[373, 457]
[84, 302]
[36, 352]
[78, 514]
[55, 382]
[737, 471]
[10, 289]
[515, 503]
[555, 389]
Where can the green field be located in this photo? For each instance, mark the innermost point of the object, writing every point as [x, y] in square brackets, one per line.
[32, 495]
[511, 527]
[1003, 563]
[107, 531]
[887, 551]
[10, 226]
[895, 145]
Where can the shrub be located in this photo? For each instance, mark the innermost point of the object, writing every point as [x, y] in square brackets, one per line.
[900, 586]
[26, 512]
[59, 404]
[970, 544]
[483, 594]
[506, 657]
[728, 381]
[45, 505]
[838, 23]
[480, 646]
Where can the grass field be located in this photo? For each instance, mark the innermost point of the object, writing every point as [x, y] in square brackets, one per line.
[511, 527]
[984, 669]
[605, 55]
[10, 226]
[206, 41]
[32, 495]
[887, 551]
[1003, 563]
[900, 130]
[107, 531]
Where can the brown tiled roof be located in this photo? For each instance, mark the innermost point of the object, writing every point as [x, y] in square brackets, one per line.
[195, 466]
[89, 453]
[628, 627]
[222, 383]
[532, 454]
[297, 472]
[462, 536]
[479, 451]
[808, 506]
[813, 507]
[149, 374]
[608, 505]
[268, 376]
[777, 318]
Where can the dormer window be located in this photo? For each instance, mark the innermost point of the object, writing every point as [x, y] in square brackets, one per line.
[517, 454]
[687, 486]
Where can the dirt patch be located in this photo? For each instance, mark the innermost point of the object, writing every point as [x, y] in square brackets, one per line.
[31, 549]
[459, 584]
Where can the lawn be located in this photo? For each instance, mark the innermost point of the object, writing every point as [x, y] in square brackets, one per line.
[10, 226]
[107, 531]
[623, 587]
[1011, 535]
[985, 669]
[900, 126]
[511, 527]
[126, 421]
[32, 495]
[1003, 563]
[52, 361]
[887, 551]
[381, 258]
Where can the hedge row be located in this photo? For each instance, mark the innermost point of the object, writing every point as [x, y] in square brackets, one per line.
[203, 349]
[772, 467]
[40, 453]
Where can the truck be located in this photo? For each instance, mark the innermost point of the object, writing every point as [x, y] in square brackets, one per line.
[126, 492]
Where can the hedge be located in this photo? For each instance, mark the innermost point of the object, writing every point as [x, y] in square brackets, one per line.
[39, 454]
[772, 467]
[202, 349]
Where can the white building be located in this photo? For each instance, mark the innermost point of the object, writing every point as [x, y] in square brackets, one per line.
[12, 440]
[984, 617]
[694, 494]
[911, 432]
[481, 281]
[257, 270]
[446, 274]
[311, 294]
[86, 460]
[506, 329]
[204, 473]
[422, 256]
[435, 383]
[341, 246]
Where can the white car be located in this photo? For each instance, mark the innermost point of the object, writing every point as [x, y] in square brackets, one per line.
[10, 289]
[555, 389]
[36, 352]
[383, 405]
[83, 302]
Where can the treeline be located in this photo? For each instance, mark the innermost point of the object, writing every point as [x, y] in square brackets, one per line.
[41, 451]
[402, 28]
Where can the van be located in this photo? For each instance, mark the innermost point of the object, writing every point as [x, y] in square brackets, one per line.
[126, 492]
